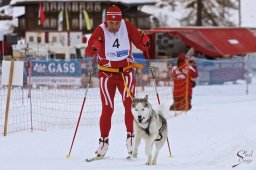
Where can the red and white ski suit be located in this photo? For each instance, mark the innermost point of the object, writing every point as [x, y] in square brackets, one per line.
[115, 52]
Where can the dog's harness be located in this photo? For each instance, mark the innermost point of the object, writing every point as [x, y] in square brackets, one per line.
[147, 129]
[160, 133]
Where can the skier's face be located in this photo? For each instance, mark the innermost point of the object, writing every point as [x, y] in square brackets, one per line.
[113, 26]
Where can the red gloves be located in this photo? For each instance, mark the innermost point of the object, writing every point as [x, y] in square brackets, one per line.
[96, 45]
[145, 41]
[93, 48]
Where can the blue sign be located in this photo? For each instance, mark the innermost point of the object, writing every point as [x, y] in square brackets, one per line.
[56, 68]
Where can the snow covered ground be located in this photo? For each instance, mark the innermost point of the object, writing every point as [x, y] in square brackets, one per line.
[220, 126]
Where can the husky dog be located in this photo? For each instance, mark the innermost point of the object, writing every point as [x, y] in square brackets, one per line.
[149, 125]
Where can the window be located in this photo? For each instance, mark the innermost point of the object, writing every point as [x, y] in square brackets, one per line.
[60, 6]
[31, 39]
[89, 7]
[68, 6]
[53, 23]
[74, 6]
[39, 39]
[97, 7]
[75, 23]
[46, 6]
[54, 39]
[62, 40]
[53, 6]
[82, 6]
[22, 24]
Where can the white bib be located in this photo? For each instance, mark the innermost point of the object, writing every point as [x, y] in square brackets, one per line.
[117, 45]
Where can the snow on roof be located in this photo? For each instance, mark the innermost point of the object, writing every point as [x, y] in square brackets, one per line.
[135, 1]
[121, 1]
[18, 11]
[8, 26]
[12, 11]
[13, 2]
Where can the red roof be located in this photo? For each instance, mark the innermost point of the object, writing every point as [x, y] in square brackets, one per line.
[215, 41]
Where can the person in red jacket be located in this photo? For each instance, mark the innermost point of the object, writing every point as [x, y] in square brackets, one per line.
[112, 42]
[183, 77]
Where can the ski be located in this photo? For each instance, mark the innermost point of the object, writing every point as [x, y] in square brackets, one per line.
[129, 157]
[94, 158]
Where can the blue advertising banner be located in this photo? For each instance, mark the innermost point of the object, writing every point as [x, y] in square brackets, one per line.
[56, 68]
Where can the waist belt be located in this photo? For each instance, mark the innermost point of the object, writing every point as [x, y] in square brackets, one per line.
[121, 69]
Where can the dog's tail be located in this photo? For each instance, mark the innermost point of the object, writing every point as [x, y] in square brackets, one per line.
[160, 110]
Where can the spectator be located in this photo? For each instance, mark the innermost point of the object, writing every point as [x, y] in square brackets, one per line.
[183, 76]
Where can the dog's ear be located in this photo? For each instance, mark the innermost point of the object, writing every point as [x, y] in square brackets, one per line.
[133, 104]
[146, 98]
[145, 104]
[135, 100]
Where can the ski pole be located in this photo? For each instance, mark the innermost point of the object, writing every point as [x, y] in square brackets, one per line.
[151, 69]
[81, 111]
[152, 73]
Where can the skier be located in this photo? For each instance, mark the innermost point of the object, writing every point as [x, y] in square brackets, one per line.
[111, 42]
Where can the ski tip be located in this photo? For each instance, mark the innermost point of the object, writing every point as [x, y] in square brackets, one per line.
[67, 156]
[94, 158]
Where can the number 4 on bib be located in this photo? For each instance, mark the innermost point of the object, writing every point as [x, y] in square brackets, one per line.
[116, 43]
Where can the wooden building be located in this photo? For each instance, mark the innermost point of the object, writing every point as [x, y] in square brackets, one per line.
[72, 12]
[68, 20]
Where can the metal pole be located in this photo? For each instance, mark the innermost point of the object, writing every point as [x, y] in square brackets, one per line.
[239, 13]
[30, 91]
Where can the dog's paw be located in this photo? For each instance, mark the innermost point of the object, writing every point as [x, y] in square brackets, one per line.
[154, 162]
[134, 155]
[148, 163]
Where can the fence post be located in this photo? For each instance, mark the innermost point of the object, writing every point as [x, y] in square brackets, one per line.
[8, 97]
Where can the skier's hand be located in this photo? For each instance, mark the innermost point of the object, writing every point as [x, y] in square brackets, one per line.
[96, 45]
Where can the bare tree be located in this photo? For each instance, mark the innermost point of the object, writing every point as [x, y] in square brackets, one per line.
[208, 12]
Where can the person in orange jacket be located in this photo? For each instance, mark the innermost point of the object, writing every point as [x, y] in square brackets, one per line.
[183, 78]
[112, 43]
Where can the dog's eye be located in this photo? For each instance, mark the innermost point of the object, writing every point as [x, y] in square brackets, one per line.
[136, 109]
[142, 109]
